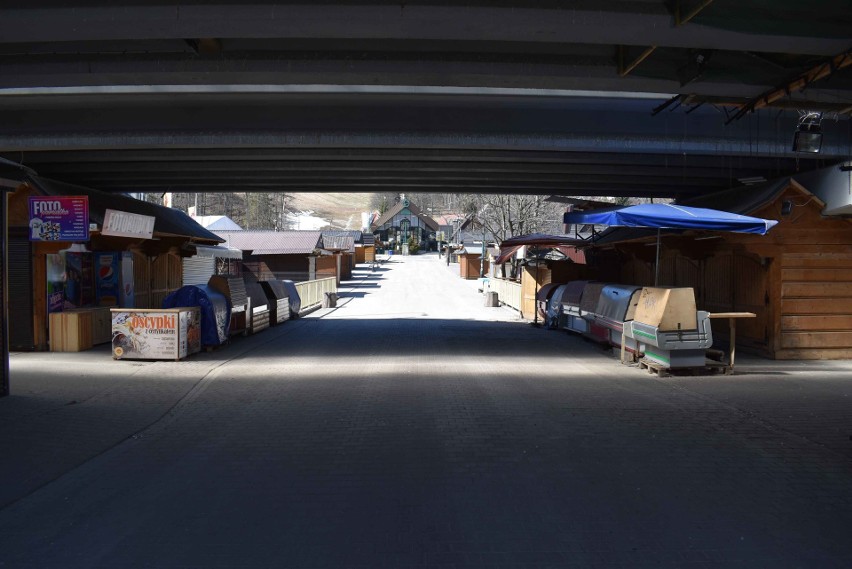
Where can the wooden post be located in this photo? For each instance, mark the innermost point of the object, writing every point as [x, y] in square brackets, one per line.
[733, 324]
[732, 319]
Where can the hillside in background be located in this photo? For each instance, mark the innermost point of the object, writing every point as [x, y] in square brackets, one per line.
[503, 215]
[273, 210]
[340, 210]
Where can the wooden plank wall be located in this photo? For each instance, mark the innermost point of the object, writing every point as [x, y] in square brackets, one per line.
[725, 282]
[258, 270]
[326, 267]
[285, 267]
[528, 288]
[166, 277]
[732, 282]
[557, 272]
[816, 306]
[346, 260]
[469, 266]
[141, 280]
[637, 272]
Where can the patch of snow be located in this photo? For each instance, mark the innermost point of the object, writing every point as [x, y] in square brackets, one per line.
[306, 221]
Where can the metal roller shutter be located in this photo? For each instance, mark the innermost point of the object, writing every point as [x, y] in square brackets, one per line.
[20, 271]
[198, 270]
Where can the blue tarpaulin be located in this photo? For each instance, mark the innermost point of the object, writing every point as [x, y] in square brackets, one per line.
[215, 311]
[672, 216]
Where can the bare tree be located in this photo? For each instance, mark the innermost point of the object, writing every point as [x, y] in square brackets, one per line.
[383, 201]
[509, 215]
[261, 210]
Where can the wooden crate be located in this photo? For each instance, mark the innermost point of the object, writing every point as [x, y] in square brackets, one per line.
[282, 310]
[259, 321]
[70, 331]
[101, 323]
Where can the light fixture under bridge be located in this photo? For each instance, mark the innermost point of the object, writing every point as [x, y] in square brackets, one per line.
[808, 136]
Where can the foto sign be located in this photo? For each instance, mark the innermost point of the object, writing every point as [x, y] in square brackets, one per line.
[123, 224]
[59, 218]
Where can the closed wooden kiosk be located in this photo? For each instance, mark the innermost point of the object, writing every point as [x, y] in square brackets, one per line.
[470, 263]
[533, 278]
[360, 254]
[797, 278]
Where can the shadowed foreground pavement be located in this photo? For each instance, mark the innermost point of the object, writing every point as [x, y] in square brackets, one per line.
[413, 427]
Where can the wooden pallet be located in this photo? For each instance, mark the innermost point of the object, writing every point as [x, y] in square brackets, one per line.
[711, 366]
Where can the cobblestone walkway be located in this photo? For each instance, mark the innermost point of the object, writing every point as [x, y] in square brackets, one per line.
[413, 427]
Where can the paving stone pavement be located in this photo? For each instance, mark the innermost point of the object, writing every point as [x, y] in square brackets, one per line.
[414, 427]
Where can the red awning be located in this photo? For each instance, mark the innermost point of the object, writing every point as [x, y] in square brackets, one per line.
[568, 246]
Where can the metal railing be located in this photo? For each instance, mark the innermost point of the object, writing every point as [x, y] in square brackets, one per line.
[508, 292]
[312, 293]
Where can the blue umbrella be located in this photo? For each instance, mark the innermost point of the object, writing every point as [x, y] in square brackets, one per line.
[671, 216]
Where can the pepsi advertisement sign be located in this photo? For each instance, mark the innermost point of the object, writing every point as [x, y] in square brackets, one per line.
[59, 218]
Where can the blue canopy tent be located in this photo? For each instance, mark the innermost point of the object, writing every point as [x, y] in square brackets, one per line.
[671, 216]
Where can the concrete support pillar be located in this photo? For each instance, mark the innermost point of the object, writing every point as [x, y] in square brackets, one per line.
[4, 295]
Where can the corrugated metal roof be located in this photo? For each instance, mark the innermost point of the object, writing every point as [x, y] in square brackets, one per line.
[472, 250]
[218, 251]
[357, 235]
[339, 243]
[274, 242]
[168, 221]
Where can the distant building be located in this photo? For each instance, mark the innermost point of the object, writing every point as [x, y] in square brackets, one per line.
[404, 222]
[217, 222]
[288, 255]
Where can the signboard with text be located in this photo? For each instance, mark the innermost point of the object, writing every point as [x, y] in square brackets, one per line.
[169, 334]
[124, 224]
[59, 218]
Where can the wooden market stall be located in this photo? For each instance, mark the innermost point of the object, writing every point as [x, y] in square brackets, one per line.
[548, 271]
[797, 279]
[289, 255]
[470, 262]
[140, 271]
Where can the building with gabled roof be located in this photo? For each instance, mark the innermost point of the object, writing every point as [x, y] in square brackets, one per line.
[285, 255]
[342, 245]
[341, 240]
[268, 242]
[404, 222]
[217, 222]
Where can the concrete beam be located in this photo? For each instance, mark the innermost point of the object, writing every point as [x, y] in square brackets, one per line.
[638, 24]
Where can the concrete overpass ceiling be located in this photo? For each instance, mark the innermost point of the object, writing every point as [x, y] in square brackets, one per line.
[503, 96]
